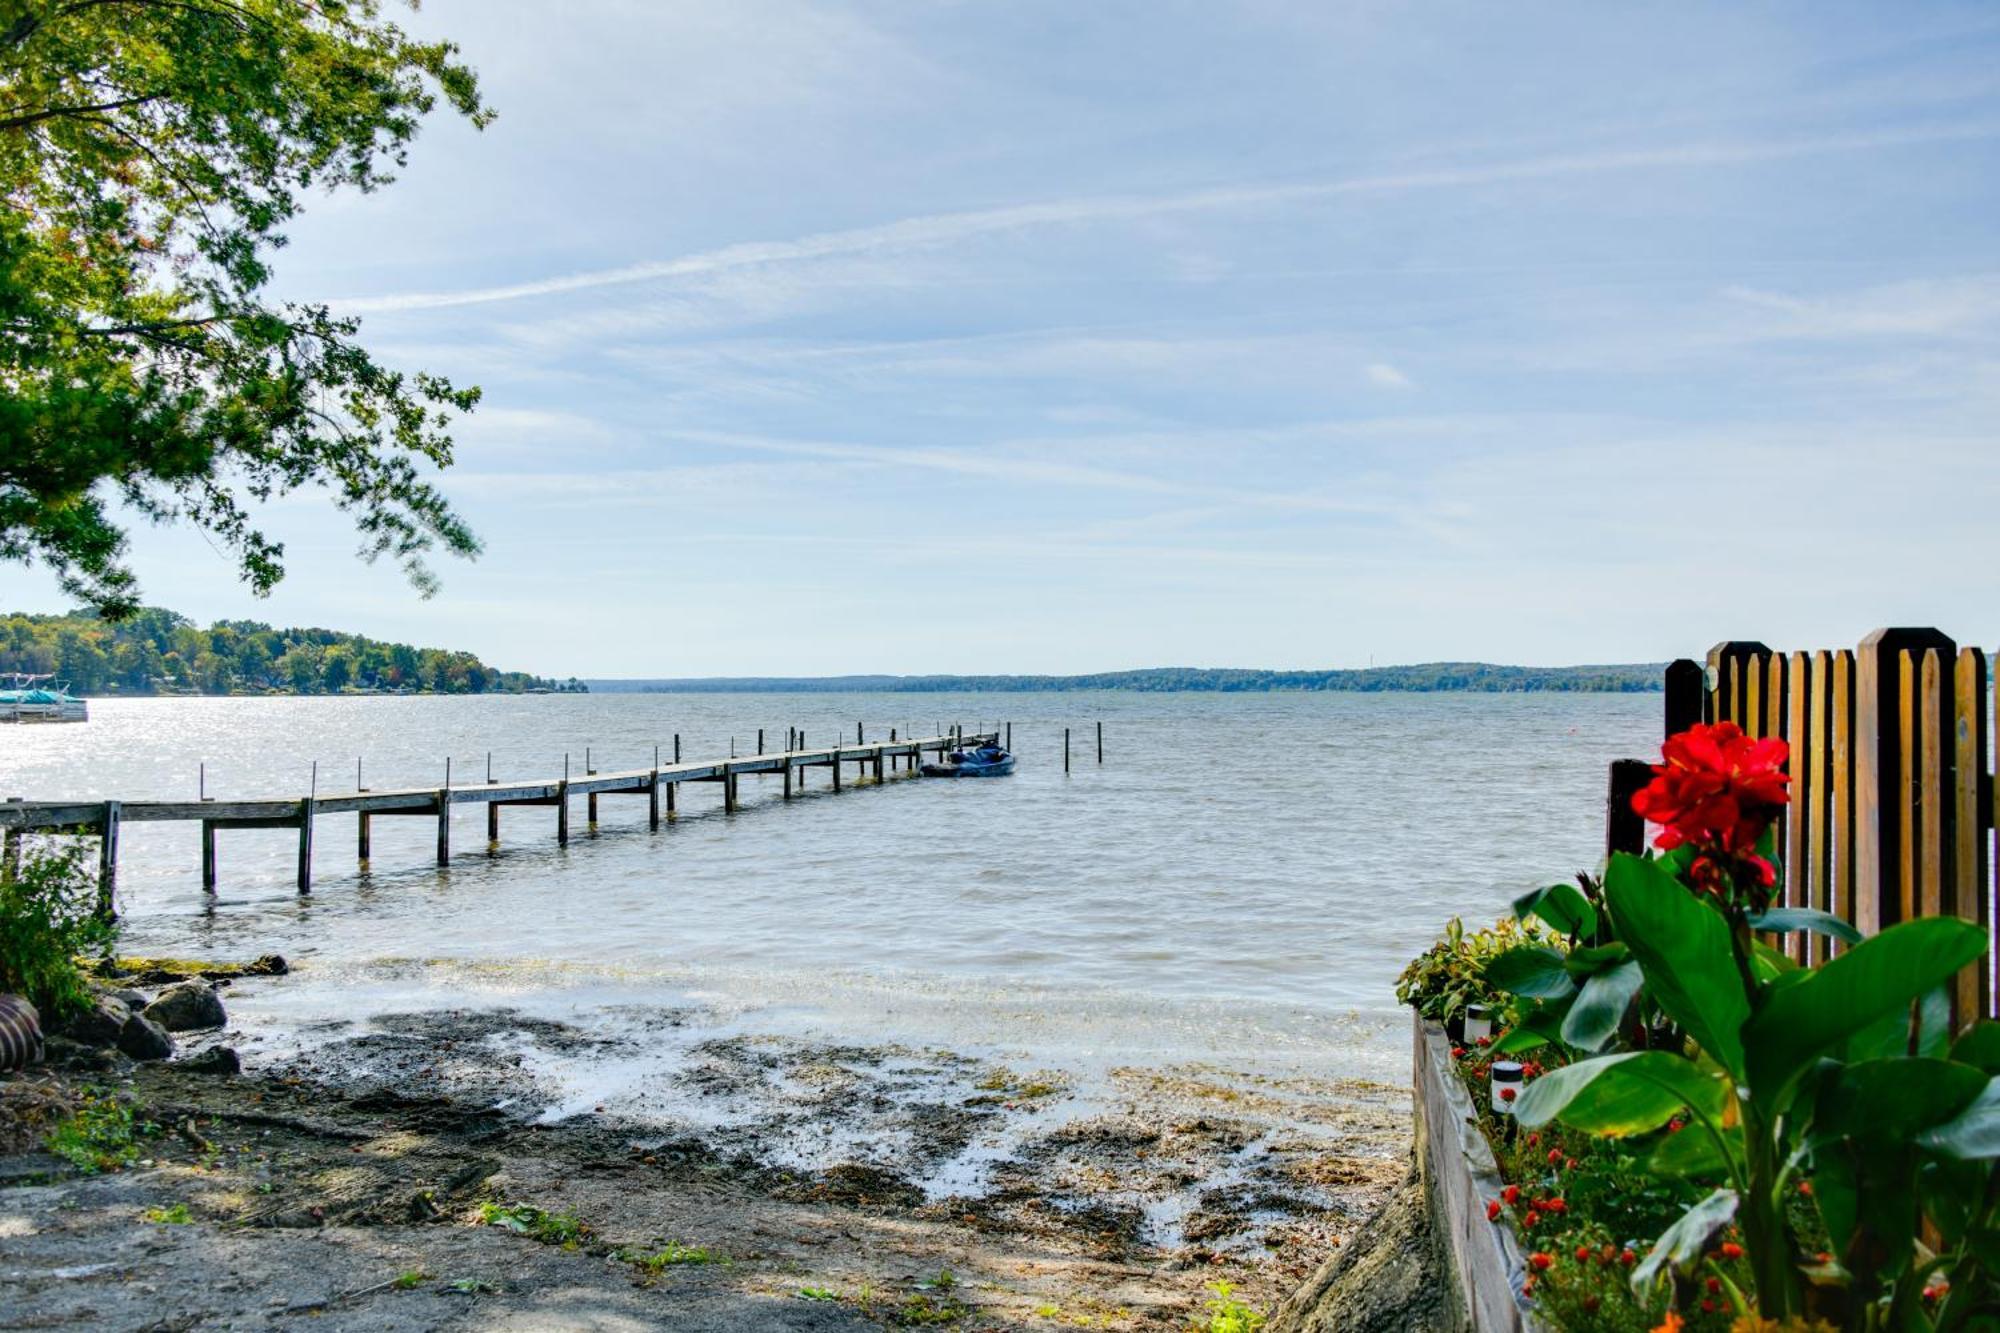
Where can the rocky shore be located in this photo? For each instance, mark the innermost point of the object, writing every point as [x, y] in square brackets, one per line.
[413, 1172]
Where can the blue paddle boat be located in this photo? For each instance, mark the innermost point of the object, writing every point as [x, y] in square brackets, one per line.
[988, 761]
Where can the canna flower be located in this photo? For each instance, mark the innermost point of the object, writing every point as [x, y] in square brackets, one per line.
[1715, 787]
[1493, 1210]
[1541, 1261]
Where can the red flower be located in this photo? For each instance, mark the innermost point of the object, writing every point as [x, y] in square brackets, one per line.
[1506, 1094]
[1512, 1194]
[1484, 1041]
[1458, 1052]
[1583, 1254]
[1805, 1188]
[1715, 788]
[1555, 1155]
[1627, 1258]
[1552, 1206]
[1493, 1210]
[1541, 1262]
[1714, 1286]
[1731, 1250]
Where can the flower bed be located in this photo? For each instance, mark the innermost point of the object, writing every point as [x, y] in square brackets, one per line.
[1693, 1132]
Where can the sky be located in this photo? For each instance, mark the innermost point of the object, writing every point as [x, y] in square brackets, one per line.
[1039, 336]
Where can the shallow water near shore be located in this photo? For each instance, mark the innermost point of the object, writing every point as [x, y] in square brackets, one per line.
[1225, 902]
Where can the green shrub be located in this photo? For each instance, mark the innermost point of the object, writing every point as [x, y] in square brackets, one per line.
[103, 1135]
[1451, 974]
[48, 916]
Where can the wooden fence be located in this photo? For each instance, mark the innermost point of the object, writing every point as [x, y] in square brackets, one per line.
[1892, 813]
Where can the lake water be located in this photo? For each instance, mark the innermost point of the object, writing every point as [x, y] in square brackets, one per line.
[1242, 878]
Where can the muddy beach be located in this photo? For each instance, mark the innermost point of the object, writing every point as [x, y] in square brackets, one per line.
[419, 1170]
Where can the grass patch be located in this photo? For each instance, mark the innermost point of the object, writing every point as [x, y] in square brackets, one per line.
[920, 1310]
[1226, 1314]
[176, 1216]
[103, 1134]
[818, 1294]
[671, 1255]
[411, 1280]
[524, 1219]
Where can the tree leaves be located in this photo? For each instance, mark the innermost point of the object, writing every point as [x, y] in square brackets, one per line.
[152, 155]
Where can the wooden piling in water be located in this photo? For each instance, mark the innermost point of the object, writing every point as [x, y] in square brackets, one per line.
[107, 862]
[1100, 742]
[1065, 749]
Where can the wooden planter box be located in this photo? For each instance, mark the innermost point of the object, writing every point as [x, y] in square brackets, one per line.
[1483, 1266]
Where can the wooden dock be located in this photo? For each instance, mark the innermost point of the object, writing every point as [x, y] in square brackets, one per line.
[658, 785]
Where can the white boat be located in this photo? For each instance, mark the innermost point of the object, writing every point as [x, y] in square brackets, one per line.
[25, 699]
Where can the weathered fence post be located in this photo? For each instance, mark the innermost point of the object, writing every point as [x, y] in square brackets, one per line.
[1684, 684]
[1624, 828]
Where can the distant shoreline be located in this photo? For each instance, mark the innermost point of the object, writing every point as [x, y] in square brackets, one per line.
[1424, 678]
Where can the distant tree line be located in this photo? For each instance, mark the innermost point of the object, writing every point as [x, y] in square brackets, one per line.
[1476, 677]
[155, 651]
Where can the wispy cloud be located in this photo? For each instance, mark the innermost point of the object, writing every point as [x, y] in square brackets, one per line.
[939, 229]
[1386, 375]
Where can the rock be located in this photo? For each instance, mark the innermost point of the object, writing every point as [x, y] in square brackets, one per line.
[67, 1053]
[1388, 1278]
[133, 999]
[101, 1024]
[267, 965]
[143, 1039]
[188, 1007]
[214, 1060]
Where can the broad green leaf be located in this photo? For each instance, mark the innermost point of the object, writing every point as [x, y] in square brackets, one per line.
[1886, 1103]
[1533, 970]
[1687, 1239]
[1620, 1094]
[1539, 1028]
[1683, 945]
[1975, 1131]
[1782, 919]
[1769, 964]
[1600, 1007]
[1979, 1046]
[1588, 959]
[1876, 978]
[1691, 1152]
[1563, 906]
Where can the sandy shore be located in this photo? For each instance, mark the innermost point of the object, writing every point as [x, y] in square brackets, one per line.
[797, 1186]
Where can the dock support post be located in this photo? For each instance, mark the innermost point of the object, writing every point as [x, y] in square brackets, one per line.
[444, 826]
[677, 747]
[1100, 742]
[672, 787]
[589, 770]
[1010, 736]
[492, 821]
[107, 862]
[760, 740]
[653, 798]
[305, 846]
[361, 832]
[562, 813]
[836, 767]
[208, 856]
[788, 779]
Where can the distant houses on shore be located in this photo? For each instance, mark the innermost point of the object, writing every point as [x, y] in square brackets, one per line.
[1429, 677]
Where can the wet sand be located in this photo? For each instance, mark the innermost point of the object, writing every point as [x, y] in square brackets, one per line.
[807, 1185]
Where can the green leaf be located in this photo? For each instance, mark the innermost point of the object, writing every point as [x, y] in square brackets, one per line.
[1683, 945]
[1975, 1131]
[1588, 959]
[1886, 1103]
[1877, 977]
[1533, 970]
[1539, 1028]
[1620, 1094]
[1687, 1239]
[1600, 1007]
[1783, 919]
[1979, 1046]
[1691, 1152]
[1563, 906]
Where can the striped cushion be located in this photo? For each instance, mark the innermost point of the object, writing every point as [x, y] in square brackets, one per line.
[20, 1033]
